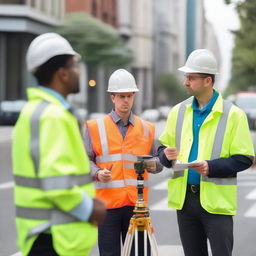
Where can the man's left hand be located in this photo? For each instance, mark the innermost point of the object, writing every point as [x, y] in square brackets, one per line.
[201, 167]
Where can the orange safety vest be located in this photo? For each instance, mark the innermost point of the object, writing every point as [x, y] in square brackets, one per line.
[112, 149]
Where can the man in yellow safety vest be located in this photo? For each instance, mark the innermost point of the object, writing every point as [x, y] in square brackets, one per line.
[213, 134]
[56, 212]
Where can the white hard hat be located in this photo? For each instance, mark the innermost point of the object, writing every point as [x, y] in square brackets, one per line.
[200, 61]
[122, 81]
[46, 46]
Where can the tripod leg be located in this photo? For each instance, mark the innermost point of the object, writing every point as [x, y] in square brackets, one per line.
[145, 243]
[128, 244]
[153, 243]
[136, 242]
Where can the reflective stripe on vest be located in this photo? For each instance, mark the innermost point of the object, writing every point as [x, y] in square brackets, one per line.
[52, 183]
[218, 142]
[118, 183]
[52, 216]
[115, 157]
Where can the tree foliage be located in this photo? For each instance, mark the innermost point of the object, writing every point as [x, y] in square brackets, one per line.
[173, 88]
[244, 52]
[97, 42]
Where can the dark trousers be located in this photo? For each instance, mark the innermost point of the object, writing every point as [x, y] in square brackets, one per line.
[43, 246]
[196, 225]
[114, 228]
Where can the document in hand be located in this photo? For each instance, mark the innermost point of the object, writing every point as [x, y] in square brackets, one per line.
[179, 166]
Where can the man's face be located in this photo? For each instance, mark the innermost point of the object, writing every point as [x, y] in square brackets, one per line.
[123, 102]
[195, 83]
[72, 79]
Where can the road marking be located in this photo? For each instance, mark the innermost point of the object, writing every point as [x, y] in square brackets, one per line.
[174, 250]
[251, 212]
[161, 186]
[7, 185]
[251, 195]
[17, 254]
[161, 205]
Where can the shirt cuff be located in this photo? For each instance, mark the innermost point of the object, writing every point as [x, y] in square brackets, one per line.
[83, 211]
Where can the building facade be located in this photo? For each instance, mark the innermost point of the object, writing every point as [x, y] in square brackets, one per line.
[20, 22]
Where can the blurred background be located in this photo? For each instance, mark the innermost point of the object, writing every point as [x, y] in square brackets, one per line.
[150, 38]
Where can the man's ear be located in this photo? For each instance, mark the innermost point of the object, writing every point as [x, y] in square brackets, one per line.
[208, 80]
[62, 74]
[112, 96]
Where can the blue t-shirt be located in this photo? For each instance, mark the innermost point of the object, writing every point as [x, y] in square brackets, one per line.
[199, 115]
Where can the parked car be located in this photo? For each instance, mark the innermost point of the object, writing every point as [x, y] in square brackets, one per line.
[247, 102]
[96, 115]
[10, 110]
[151, 115]
[164, 111]
[81, 115]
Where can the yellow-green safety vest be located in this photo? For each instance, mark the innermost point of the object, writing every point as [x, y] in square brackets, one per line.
[224, 133]
[51, 171]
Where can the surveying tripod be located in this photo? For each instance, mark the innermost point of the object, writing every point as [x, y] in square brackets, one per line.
[140, 221]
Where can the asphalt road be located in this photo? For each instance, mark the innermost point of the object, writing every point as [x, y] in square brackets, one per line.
[163, 219]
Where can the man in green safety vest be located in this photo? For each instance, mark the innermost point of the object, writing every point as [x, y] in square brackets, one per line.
[56, 212]
[213, 134]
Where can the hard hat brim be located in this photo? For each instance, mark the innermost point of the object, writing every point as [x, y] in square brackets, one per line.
[123, 90]
[190, 70]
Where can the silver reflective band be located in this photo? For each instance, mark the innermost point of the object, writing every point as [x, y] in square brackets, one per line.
[34, 140]
[111, 184]
[52, 216]
[180, 119]
[221, 181]
[177, 174]
[118, 184]
[129, 166]
[115, 157]
[55, 215]
[220, 132]
[33, 213]
[52, 183]
[103, 136]
[145, 128]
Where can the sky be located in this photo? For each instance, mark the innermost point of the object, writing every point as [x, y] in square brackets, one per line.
[223, 18]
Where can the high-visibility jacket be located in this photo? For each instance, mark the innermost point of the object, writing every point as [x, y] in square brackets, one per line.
[224, 133]
[51, 171]
[112, 149]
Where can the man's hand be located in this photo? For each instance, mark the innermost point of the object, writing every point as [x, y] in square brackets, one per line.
[98, 212]
[201, 167]
[104, 175]
[150, 165]
[171, 153]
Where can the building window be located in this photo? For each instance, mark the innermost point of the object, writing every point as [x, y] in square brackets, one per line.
[94, 8]
[12, 1]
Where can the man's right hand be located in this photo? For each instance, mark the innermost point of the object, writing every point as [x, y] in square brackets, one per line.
[98, 212]
[171, 153]
[104, 175]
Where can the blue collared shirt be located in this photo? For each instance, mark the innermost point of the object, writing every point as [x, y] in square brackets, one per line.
[199, 115]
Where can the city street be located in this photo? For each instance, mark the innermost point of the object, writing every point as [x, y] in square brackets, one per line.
[163, 218]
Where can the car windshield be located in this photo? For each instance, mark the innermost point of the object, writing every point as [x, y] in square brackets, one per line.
[246, 102]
